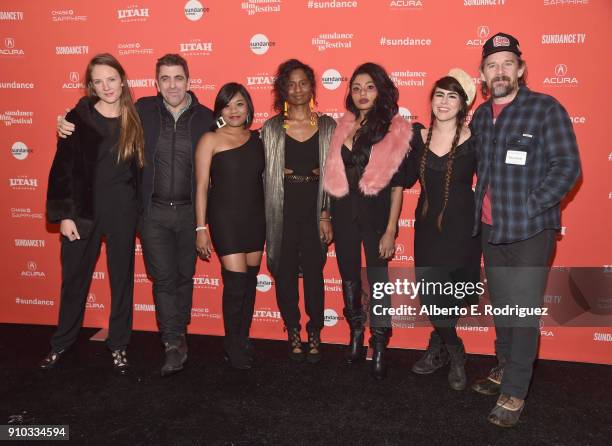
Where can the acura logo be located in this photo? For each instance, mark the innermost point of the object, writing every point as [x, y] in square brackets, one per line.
[32, 265]
[9, 42]
[483, 31]
[74, 76]
[561, 70]
[399, 248]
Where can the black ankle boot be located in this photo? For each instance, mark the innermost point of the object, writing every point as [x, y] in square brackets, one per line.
[435, 357]
[234, 289]
[456, 373]
[379, 364]
[353, 312]
[355, 351]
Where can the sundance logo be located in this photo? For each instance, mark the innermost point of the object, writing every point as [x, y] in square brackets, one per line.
[407, 78]
[133, 14]
[16, 117]
[10, 49]
[561, 78]
[196, 48]
[141, 83]
[67, 15]
[331, 79]
[482, 34]
[253, 7]
[326, 41]
[17, 85]
[30, 301]
[260, 44]
[74, 82]
[194, 10]
[71, 50]
[29, 243]
[484, 2]
[144, 307]
[406, 114]
[405, 41]
[14, 16]
[261, 81]
[264, 283]
[333, 4]
[563, 39]
[23, 183]
[32, 271]
[20, 151]
[406, 222]
[330, 317]
[333, 285]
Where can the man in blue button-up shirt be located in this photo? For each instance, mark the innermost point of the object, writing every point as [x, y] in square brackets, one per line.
[527, 163]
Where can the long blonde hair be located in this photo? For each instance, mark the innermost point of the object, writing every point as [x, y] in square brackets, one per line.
[131, 138]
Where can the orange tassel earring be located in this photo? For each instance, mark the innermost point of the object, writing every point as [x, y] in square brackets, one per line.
[313, 115]
[286, 116]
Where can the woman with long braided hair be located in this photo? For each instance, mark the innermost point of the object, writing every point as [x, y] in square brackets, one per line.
[443, 161]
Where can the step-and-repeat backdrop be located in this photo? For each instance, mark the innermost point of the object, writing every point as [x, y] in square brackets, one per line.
[45, 46]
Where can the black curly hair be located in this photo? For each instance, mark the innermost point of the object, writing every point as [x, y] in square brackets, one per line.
[282, 80]
[378, 118]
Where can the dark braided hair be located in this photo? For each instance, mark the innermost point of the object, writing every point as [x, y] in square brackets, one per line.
[378, 119]
[450, 84]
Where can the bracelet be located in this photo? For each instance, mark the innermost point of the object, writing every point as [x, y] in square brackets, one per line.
[201, 228]
[324, 218]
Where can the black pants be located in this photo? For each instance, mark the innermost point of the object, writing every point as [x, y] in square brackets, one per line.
[349, 235]
[301, 246]
[517, 274]
[79, 259]
[168, 241]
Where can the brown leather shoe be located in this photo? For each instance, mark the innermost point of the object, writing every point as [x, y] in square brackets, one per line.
[491, 384]
[507, 411]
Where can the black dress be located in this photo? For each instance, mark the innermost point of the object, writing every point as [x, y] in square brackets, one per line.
[453, 250]
[236, 215]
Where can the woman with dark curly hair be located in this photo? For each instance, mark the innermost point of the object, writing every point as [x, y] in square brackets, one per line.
[443, 160]
[364, 174]
[296, 141]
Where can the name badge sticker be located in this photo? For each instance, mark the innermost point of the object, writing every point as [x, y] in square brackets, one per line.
[516, 157]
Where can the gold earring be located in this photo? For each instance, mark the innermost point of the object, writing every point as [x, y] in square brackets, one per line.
[313, 115]
[286, 116]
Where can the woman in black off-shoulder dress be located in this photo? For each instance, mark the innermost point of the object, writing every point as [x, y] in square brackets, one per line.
[229, 196]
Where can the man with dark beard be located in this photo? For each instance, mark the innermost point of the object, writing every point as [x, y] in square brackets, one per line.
[527, 163]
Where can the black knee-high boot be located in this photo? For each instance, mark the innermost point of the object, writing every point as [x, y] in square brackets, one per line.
[353, 312]
[249, 307]
[234, 290]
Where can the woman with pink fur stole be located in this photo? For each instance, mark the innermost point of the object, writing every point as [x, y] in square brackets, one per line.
[364, 175]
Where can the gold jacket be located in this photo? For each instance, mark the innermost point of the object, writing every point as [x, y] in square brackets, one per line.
[273, 137]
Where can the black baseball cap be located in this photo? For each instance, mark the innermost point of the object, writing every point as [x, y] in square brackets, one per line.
[501, 42]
